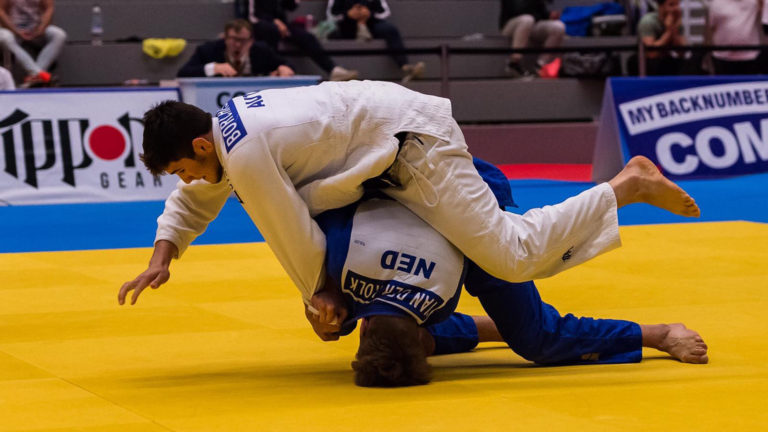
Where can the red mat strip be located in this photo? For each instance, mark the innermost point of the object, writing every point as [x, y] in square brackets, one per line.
[566, 172]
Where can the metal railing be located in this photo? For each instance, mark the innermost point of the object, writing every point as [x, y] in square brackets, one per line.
[445, 51]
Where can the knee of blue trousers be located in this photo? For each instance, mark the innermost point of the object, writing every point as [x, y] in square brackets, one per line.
[524, 321]
[384, 30]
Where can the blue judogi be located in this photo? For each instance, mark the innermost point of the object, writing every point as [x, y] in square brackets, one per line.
[533, 329]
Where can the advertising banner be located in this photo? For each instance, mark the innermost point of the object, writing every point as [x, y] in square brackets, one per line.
[210, 94]
[77, 146]
[691, 127]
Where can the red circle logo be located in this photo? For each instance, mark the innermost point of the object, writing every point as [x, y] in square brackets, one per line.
[107, 142]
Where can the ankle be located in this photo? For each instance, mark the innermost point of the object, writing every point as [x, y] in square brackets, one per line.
[620, 191]
[654, 335]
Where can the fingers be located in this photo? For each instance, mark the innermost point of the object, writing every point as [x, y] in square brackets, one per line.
[328, 337]
[159, 280]
[147, 279]
[123, 291]
[225, 70]
[136, 293]
[137, 286]
[330, 316]
[327, 313]
[341, 316]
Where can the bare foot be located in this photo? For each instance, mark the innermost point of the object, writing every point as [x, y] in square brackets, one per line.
[684, 344]
[641, 181]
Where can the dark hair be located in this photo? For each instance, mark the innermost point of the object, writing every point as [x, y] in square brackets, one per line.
[169, 128]
[237, 25]
[390, 354]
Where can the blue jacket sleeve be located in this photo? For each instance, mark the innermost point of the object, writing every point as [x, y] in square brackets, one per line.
[457, 334]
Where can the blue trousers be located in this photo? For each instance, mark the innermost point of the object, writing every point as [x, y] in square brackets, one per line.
[535, 330]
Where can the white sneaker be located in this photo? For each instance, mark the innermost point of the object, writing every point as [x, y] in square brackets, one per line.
[340, 74]
[413, 71]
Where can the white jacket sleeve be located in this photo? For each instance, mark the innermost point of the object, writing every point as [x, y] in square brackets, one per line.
[188, 211]
[283, 218]
[329, 12]
[386, 13]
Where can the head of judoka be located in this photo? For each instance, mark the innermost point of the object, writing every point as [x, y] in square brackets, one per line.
[392, 353]
[178, 139]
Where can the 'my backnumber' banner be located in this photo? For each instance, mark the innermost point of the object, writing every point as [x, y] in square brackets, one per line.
[691, 127]
[75, 146]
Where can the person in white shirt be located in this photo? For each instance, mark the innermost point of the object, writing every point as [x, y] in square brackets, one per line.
[735, 22]
[30, 21]
[290, 154]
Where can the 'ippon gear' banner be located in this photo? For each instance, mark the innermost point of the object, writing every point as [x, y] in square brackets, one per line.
[691, 127]
[74, 146]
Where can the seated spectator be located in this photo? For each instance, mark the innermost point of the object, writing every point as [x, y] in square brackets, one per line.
[29, 21]
[235, 55]
[764, 19]
[734, 22]
[763, 57]
[365, 20]
[662, 29]
[270, 25]
[523, 20]
[6, 80]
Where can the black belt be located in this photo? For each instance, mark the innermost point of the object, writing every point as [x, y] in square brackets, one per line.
[384, 180]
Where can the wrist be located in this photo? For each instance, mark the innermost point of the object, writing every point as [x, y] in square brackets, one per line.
[164, 253]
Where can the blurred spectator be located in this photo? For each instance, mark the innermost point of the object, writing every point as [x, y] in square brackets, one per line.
[29, 22]
[662, 29]
[270, 25]
[765, 17]
[526, 20]
[6, 80]
[365, 20]
[735, 22]
[763, 57]
[235, 55]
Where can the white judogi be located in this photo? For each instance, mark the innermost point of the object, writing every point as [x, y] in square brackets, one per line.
[291, 154]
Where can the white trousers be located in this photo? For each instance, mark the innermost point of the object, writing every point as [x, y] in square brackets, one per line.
[6, 80]
[522, 28]
[54, 43]
[440, 184]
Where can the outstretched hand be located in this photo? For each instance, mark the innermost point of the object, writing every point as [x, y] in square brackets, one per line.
[153, 277]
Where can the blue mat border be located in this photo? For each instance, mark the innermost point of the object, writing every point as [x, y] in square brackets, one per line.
[132, 224]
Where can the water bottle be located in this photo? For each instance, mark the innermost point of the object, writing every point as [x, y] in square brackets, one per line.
[97, 25]
[310, 21]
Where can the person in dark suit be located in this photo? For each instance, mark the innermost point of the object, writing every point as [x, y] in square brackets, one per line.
[235, 55]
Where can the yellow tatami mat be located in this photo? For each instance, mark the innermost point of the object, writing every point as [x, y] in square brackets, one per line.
[224, 347]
